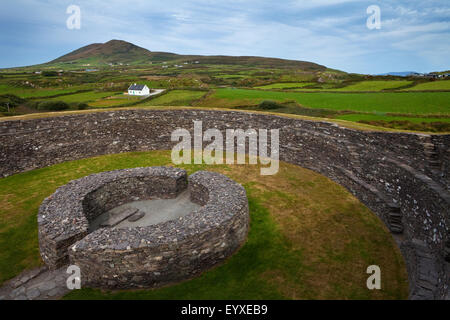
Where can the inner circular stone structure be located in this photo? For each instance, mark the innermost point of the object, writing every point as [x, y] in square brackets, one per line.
[143, 227]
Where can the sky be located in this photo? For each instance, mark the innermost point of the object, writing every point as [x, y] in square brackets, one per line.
[412, 36]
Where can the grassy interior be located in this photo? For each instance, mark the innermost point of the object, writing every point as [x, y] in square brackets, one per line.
[309, 237]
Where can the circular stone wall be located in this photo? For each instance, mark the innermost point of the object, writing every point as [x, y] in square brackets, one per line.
[142, 257]
[402, 177]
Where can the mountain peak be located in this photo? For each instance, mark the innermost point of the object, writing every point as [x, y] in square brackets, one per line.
[117, 41]
[111, 51]
[120, 44]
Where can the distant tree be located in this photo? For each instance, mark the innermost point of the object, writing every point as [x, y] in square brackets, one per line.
[9, 101]
[49, 73]
[269, 105]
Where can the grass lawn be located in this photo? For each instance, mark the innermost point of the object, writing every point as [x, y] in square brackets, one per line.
[309, 237]
[375, 85]
[404, 103]
[176, 98]
[435, 85]
[286, 85]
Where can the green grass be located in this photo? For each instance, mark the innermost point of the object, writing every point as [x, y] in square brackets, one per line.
[403, 103]
[114, 101]
[308, 236]
[155, 84]
[176, 98]
[84, 97]
[375, 85]
[304, 77]
[286, 85]
[28, 93]
[231, 76]
[435, 85]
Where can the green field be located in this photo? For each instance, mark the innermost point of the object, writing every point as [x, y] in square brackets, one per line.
[286, 85]
[403, 103]
[176, 98]
[309, 237]
[375, 85]
[84, 97]
[329, 92]
[35, 93]
[435, 85]
[112, 101]
[231, 76]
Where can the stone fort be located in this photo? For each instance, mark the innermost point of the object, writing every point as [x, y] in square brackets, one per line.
[402, 177]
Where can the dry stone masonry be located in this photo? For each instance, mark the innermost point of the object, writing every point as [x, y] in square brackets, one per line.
[402, 177]
[145, 256]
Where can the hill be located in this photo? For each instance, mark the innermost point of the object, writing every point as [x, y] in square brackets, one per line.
[118, 51]
[114, 51]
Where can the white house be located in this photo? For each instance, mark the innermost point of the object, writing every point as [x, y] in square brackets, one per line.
[138, 90]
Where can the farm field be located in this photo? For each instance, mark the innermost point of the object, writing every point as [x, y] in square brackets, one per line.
[38, 93]
[286, 85]
[375, 85]
[305, 229]
[203, 85]
[402, 103]
[83, 97]
[435, 85]
[113, 101]
[176, 98]
[231, 76]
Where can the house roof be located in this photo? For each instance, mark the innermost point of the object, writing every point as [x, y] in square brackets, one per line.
[137, 87]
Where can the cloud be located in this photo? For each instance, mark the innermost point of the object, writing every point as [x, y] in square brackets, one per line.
[305, 4]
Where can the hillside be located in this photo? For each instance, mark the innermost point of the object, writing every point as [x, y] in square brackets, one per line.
[117, 51]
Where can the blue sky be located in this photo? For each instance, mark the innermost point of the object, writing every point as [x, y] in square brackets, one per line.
[414, 35]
